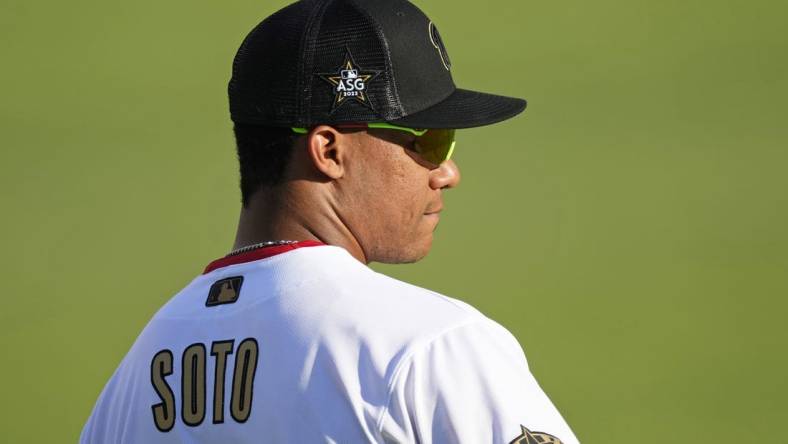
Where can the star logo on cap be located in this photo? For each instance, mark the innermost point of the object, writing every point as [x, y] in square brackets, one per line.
[350, 82]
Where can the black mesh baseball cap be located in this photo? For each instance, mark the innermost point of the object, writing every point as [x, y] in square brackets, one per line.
[354, 61]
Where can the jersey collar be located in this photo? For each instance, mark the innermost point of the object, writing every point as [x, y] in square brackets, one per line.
[257, 254]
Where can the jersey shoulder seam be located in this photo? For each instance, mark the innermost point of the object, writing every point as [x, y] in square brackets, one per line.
[408, 357]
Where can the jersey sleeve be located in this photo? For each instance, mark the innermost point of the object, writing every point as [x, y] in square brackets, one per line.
[471, 384]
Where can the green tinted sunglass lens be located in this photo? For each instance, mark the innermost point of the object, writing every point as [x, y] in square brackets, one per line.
[436, 145]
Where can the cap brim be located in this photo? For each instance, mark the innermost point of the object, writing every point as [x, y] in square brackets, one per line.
[465, 109]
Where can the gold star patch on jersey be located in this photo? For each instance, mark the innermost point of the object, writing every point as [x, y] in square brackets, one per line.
[529, 437]
[350, 82]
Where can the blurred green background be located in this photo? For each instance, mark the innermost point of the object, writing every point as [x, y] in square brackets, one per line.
[630, 228]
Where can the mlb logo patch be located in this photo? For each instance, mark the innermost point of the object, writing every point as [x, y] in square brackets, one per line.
[225, 291]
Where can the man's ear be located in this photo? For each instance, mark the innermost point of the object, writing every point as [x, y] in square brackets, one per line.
[327, 148]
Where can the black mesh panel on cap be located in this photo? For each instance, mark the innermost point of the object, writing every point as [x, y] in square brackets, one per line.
[265, 82]
[344, 28]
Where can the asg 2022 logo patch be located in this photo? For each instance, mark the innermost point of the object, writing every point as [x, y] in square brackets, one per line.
[350, 83]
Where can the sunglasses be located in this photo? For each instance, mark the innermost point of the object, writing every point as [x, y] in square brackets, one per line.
[433, 145]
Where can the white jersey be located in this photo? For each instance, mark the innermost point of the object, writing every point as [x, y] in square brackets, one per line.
[306, 345]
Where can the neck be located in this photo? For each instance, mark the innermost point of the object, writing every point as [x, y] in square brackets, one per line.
[288, 213]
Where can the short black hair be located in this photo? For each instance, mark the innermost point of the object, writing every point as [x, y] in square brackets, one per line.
[263, 155]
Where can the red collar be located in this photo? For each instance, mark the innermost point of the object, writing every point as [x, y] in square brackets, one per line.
[257, 254]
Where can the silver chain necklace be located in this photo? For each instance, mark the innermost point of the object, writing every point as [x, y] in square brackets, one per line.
[261, 245]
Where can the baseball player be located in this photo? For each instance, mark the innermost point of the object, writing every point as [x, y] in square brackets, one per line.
[345, 114]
